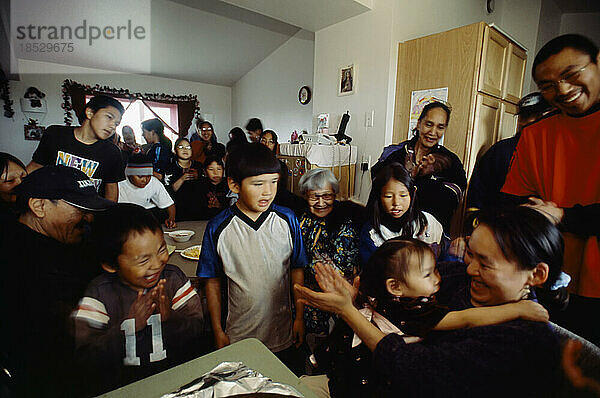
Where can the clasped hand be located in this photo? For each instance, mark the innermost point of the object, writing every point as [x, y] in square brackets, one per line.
[146, 304]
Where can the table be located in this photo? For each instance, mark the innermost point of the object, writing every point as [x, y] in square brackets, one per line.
[187, 266]
[251, 352]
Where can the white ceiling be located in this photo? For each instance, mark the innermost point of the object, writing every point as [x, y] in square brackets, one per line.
[311, 15]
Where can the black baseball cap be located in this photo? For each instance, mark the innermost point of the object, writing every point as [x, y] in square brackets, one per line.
[533, 103]
[64, 183]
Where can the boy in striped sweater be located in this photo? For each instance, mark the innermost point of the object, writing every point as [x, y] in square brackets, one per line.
[140, 317]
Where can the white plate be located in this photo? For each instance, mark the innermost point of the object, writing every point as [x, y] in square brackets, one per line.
[189, 252]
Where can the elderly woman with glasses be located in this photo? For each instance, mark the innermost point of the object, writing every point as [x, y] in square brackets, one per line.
[330, 232]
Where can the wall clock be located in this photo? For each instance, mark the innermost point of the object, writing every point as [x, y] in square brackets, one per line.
[304, 95]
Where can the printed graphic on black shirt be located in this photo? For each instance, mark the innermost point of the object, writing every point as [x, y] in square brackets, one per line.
[86, 165]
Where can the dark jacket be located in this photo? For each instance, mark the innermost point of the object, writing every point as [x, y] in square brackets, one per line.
[438, 193]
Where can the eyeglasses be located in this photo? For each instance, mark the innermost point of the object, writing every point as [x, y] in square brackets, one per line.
[570, 78]
[314, 197]
[263, 141]
[206, 129]
[184, 147]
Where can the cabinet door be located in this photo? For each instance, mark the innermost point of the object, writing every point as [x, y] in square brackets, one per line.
[508, 120]
[493, 63]
[487, 116]
[513, 89]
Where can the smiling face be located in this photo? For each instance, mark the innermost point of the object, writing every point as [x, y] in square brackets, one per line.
[63, 222]
[320, 202]
[104, 121]
[206, 131]
[142, 259]
[494, 279]
[11, 178]
[422, 279]
[395, 198]
[256, 193]
[579, 91]
[432, 127]
[214, 173]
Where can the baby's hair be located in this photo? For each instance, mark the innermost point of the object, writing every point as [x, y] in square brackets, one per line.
[113, 227]
[251, 160]
[392, 259]
[413, 216]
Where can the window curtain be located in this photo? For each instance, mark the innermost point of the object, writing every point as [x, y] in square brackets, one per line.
[74, 102]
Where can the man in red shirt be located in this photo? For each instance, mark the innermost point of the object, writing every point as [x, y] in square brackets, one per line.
[556, 158]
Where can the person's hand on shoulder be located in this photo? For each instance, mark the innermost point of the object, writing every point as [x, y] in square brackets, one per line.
[532, 311]
[549, 209]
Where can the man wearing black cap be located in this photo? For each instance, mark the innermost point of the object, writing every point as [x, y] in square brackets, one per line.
[490, 171]
[45, 271]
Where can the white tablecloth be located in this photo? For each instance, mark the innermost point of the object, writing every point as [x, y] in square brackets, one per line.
[321, 155]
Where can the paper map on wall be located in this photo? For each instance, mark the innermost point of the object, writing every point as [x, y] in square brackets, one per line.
[420, 98]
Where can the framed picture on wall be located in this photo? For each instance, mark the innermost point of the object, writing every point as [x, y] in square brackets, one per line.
[33, 132]
[347, 80]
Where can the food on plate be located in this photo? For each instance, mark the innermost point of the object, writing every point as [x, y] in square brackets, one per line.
[192, 252]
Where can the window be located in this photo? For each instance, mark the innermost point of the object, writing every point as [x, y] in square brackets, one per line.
[138, 112]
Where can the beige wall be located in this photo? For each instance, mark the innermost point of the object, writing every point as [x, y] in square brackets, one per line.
[270, 90]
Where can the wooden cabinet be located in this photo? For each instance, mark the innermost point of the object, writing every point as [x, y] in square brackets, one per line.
[493, 63]
[484, 71]
[487, 120]
[515, 74]
[508, 120]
